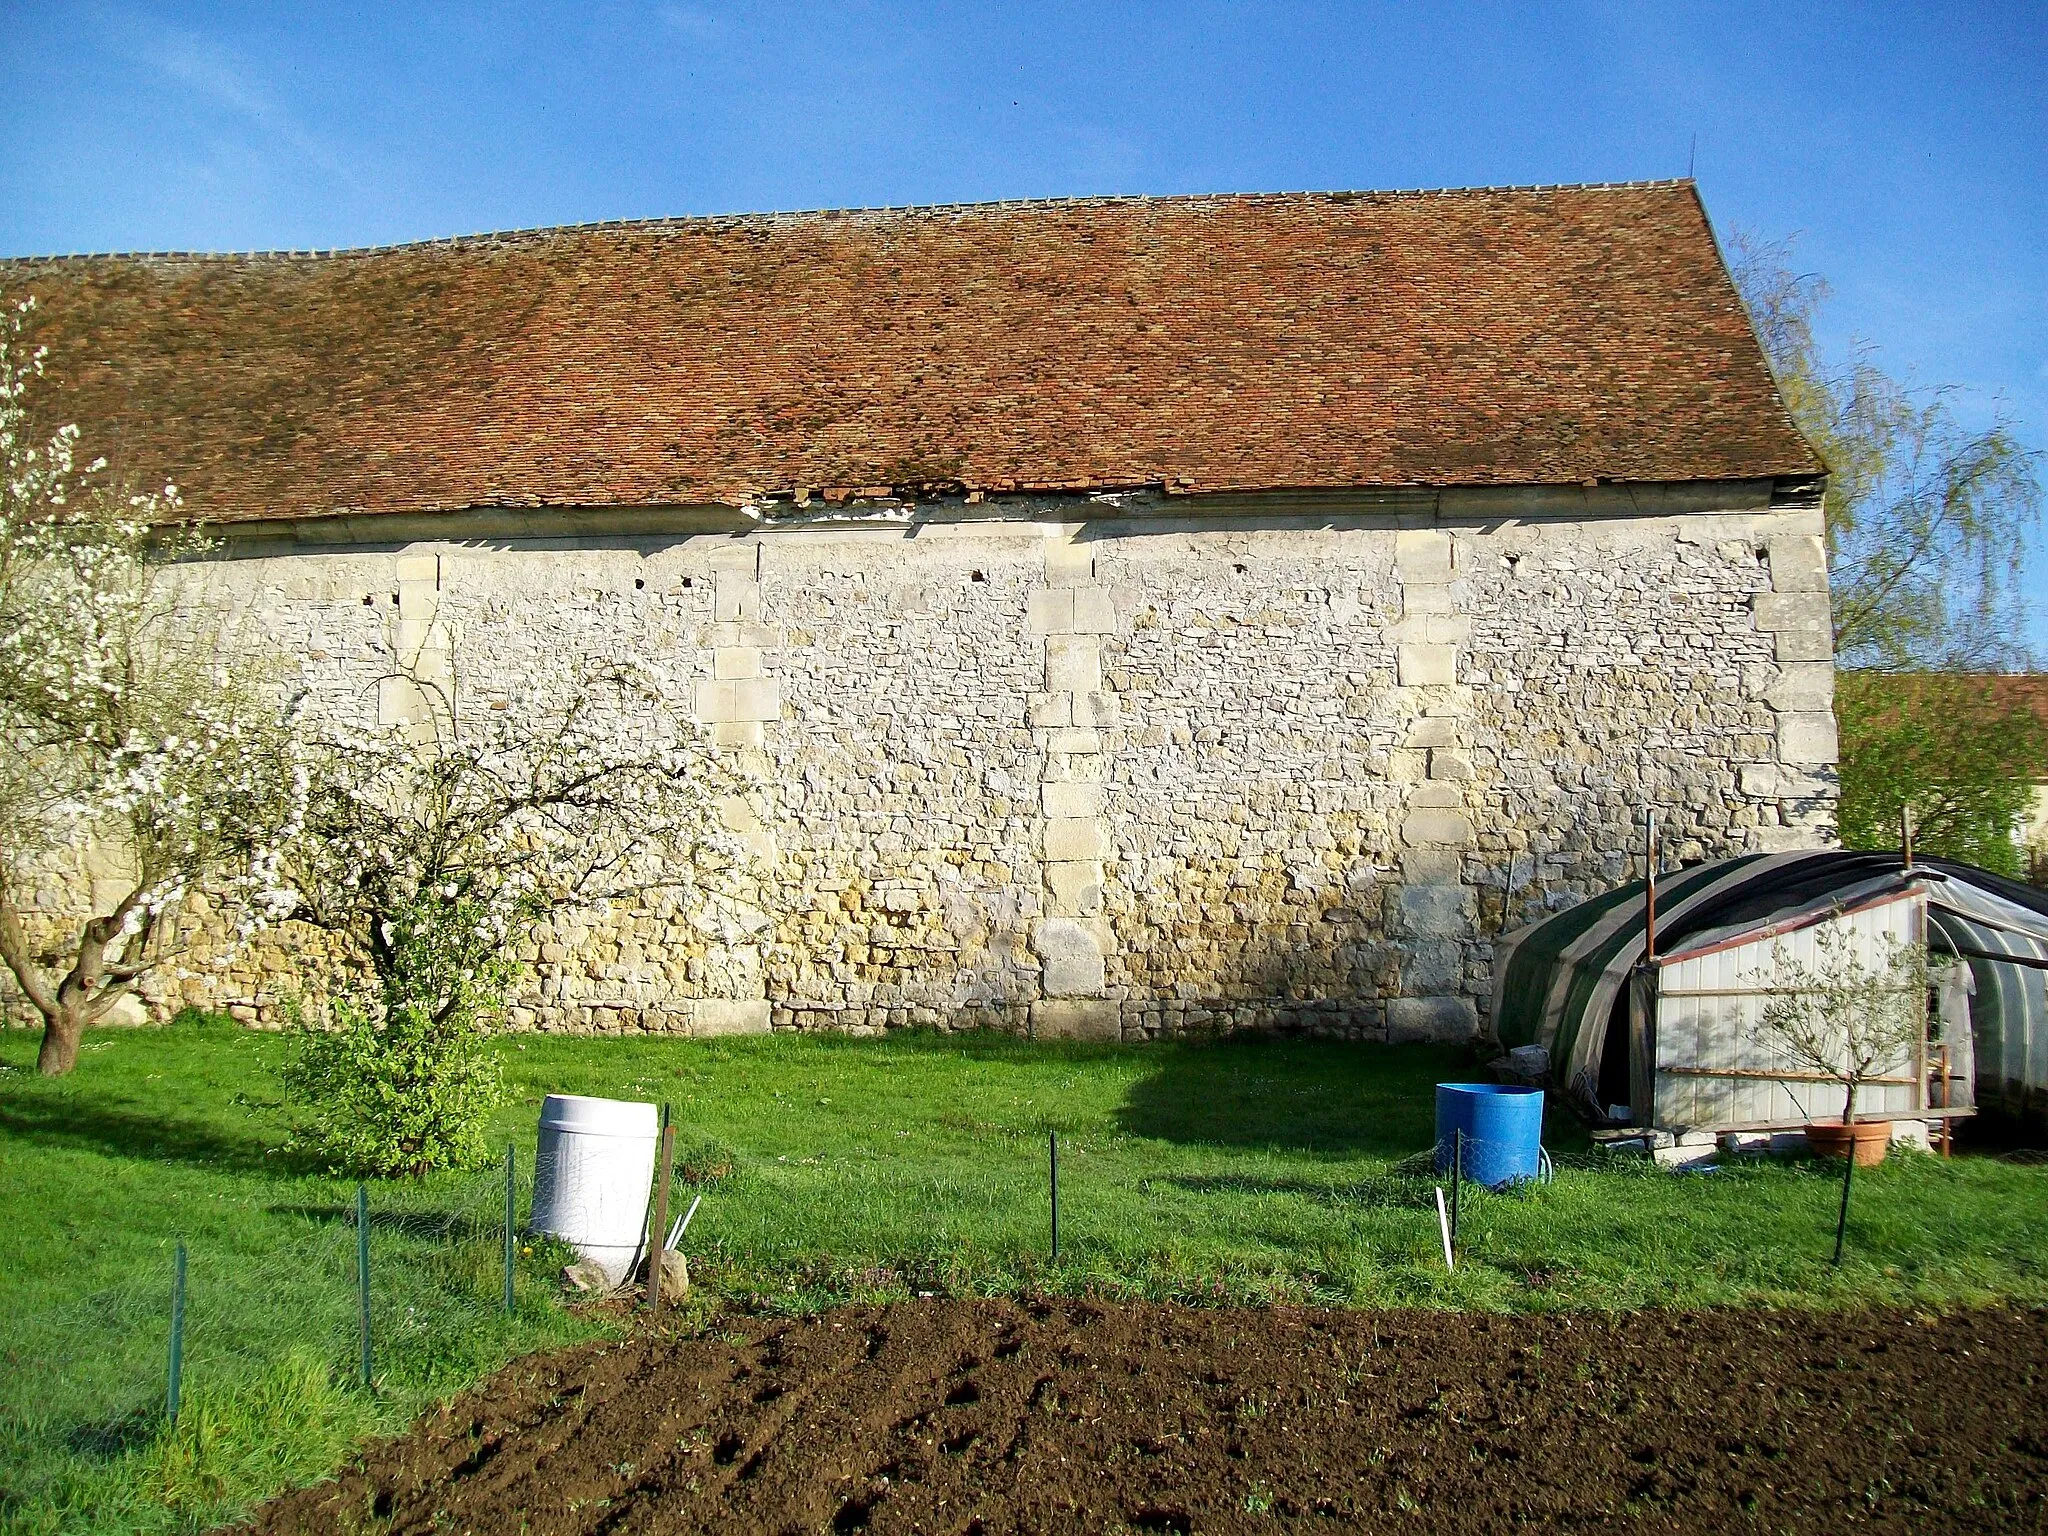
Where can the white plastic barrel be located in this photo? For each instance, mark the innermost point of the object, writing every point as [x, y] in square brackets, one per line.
[592, 1176]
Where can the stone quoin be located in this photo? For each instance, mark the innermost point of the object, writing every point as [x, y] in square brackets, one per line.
[1146, 616]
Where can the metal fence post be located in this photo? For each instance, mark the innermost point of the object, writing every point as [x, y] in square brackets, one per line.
[177, 1332]
[1052, 1144]
[511, 1219]
[1457, 1177]
[1842, 1216]
[363, 1276]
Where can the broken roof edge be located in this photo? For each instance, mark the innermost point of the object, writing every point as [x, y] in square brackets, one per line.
[660, 221]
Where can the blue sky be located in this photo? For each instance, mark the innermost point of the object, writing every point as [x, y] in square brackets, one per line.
[1906, 146]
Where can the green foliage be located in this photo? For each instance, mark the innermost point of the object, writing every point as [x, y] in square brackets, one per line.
[404, 1083]
[1951, 749]
[1927, 519]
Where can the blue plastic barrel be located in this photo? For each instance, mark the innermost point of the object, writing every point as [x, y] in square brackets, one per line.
[1503, 1129]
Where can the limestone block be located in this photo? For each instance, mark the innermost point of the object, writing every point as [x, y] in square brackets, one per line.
[741, 699]
[1074, 837]
[736, 663]
[759, 636]
[729, 1016]
[1433, 731]
[1048, 711]
[1436, 910]
[1432, 866]
[1432, 629]
[1077, 1019]
[1803, 645]
[1073, 662]
[1051, 611]
[1786, 839]
[736, 600]
[1067, 564]
[1803, 685]
[738, 733]
[1074, 887]
[1096, 710]
[1070, 956]
[1807, 737]
[1435, 969]
[1799, 563]
[1441, 828]
[1436, 796]
[1071, 743]
[1798, 612]
[419, 568]
[1446, 764]
[1431, 1020]
[736, 559]
[1421, 665]
[1071, 799]
[1422, 556]
[126, 1012]
[1094, 613]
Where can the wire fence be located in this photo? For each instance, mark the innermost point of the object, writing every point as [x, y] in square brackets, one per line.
[211, 1327]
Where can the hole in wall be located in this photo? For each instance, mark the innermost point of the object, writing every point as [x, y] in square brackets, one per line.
[1237, 570]
[639, 585]
[369, 601]
[976, 576]
[394, 599]
[687, 582]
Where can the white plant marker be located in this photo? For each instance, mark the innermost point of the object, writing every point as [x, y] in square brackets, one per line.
[1443, 1223]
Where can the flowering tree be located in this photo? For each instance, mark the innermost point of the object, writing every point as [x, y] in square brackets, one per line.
[125, 732]
[436, 845]
[1846, 1017]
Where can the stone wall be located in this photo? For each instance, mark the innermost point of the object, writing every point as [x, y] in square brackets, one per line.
[1128, 775]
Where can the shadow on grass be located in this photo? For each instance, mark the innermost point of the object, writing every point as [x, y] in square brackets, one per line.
[1398, 1190]
[1336, 1098]
[114, 1131]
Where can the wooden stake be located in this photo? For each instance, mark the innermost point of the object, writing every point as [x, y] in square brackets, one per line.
[657, 1231]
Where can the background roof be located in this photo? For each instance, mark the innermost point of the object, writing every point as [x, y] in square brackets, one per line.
[1237, 343]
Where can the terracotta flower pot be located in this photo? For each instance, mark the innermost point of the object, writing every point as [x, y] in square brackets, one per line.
[1871, 1139]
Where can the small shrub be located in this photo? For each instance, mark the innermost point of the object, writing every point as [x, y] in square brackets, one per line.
[405, 1084]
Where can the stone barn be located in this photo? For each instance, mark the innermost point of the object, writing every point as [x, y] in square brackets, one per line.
[1147, 615]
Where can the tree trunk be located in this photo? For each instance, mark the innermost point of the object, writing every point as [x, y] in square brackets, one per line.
[1849, 1104]
[61, 1033]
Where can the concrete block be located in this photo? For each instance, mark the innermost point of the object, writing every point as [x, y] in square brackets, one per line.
[1074, 887]
[736, 663]
[1071, 800]
[1073, 663]
[1799, 563]
[1431, 1020]
[1439, 828]
[1068, 563]
[1077, 1019]
[1074, 837]
[743, 699]
[1051, 611]
[1419, 666]
[1094, 613]
[1807, 737]
[729, 1016]
[1070, 958]
[1685, 1157]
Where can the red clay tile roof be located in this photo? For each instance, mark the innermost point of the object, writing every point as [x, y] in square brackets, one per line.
[1234, 343]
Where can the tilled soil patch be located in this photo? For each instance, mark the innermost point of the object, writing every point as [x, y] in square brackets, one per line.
[964, 1417]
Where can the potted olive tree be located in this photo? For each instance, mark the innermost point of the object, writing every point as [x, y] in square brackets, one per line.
[1852, 1020]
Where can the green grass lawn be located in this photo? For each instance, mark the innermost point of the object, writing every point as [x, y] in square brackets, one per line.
[1246, 1171]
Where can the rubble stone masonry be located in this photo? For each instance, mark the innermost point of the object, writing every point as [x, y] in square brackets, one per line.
[1125, 777]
